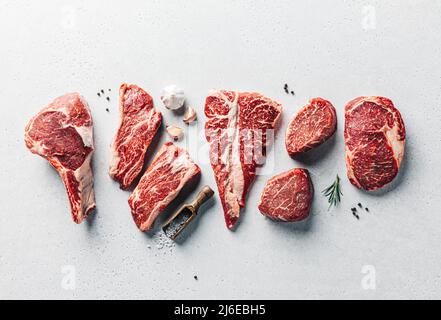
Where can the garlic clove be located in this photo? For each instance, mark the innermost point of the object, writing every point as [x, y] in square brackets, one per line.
[173, 97]
[175, 132]
[190, 115]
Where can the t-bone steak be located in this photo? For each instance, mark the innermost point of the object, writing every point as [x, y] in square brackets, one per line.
[139, 122]
[170, 170]
[287, 196]
[237, 129]
[375, 138]
[62, 133]
[311, 126]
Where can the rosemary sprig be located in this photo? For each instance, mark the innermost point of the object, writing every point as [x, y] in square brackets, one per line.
[333, 193]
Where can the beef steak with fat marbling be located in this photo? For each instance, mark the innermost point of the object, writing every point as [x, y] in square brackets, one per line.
[287, 196]
[311, 126]
[237, 129]
[139, 122]
[62, 133]
[375, 138]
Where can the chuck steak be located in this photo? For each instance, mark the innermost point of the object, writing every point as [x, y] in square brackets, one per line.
[236, 129]
[62, 133]
[287, 196]
[170, 170]
[311, 126]
[375, 138]
[139, 122]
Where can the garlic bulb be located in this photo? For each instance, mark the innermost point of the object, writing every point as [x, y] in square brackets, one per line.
[175, 132]
[173, 97]
[190, 115]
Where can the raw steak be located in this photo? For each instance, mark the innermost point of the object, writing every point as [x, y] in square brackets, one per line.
[139, 122]
[311, 126]
[62, 133]
[237, 128]
[170, 170]
[287, 196]
[375, 138]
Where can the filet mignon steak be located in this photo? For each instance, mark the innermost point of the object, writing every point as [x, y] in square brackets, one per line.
[62, 133]
[139, 122]
[311, 126]
[287, 196]
[170, 170]
[375, 138]
[236, 128]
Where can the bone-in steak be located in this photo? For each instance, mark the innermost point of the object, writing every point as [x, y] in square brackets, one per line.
[170, 170]
[375, 138]
[287, 196]
[236, 128]
[139, 122]
[62, 133]
[311, 126]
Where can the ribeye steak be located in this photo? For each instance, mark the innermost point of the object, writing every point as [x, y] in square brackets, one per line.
[62, 133]
[375, 138]
[287, 196]
[170, 170]
[139, 122]
[311, 126]
[237, 127]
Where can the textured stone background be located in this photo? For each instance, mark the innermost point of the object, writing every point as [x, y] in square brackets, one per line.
[334, 49]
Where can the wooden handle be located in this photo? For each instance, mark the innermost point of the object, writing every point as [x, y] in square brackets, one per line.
[205, 194]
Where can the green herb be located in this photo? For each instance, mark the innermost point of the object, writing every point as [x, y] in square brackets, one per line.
[333, 193]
